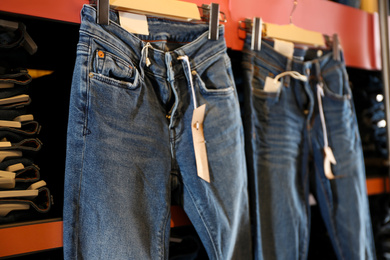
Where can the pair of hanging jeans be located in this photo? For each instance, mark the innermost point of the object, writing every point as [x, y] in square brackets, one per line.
[286, 137]
[129, 131]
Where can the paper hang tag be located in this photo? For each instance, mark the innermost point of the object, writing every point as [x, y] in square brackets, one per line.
[134, 23]
[328, 160]
[202, 165]
[271, 85]
[285, 48]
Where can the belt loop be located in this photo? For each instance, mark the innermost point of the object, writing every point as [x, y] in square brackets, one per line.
[288, 68]
[145, 58]
[188, 74]
[318, 71]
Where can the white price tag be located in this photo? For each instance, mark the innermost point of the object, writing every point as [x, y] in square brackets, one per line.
[271, 85]
[134, 23]
[202, 165]
[285, 48]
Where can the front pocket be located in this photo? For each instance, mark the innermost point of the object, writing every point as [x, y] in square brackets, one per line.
[260, 74]
[336, 83]
[216, 79]
[113, 70]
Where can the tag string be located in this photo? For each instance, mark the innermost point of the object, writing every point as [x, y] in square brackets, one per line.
[145, 57]
[328, 153]
[189, 77]
[320, 94]
[294, 74]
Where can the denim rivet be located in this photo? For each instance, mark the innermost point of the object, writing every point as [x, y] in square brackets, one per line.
[90, 75]
[193, 72]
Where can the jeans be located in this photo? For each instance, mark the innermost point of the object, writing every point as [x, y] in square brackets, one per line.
[287, 131]
[29, 172]
[12, 40]
[15, 76]
[129, 131]
[37, 206]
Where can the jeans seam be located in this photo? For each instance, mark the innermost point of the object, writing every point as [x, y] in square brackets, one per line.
[336, 239]
[200, 64]
[204, 223]
[162, 237]
[85, 121]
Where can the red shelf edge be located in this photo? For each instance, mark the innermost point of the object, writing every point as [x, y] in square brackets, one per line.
[30, 238]
[377, 185]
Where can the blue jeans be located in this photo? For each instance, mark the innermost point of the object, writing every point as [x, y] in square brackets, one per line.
[130, 130]
[286, 147]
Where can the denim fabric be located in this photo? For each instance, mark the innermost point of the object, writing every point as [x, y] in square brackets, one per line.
[17, 105]
[11, 114]
[28, 145]
[17, 76]
[28, 128]
[18, 134]
[286, 144]
[15, 91]
[12, 40]
[130, 129]
[39, 205]
[30, 172]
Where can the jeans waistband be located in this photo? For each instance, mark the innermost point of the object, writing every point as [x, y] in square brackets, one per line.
[191, 39]
[303, 58]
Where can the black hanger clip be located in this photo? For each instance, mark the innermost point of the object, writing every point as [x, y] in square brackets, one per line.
[28, 43]
[214, 22]
[255, 28]
[103, 8]
[211, 14]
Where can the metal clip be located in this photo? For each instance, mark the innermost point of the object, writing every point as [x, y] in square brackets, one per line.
[213, 21]
[103, 7]
[256, 34]
[336, 47]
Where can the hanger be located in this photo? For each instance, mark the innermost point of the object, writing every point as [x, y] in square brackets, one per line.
[290, 33]
[168, 8]
[28, 43]
[293, 33]
[172, 9]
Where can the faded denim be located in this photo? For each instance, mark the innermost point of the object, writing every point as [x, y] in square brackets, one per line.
[130, 129]
[286, 144]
